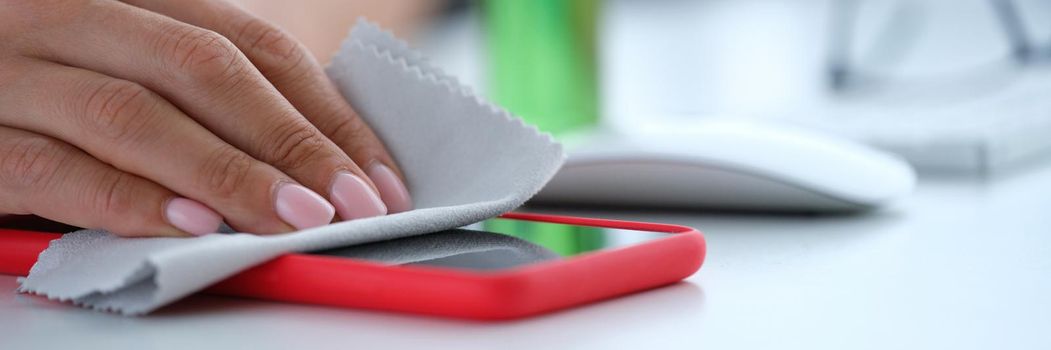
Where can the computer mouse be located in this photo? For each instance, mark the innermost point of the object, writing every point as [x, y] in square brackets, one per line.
[727, 164]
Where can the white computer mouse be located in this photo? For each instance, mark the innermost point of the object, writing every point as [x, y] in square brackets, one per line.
[727, 164]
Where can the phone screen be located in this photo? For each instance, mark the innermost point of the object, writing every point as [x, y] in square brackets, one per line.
[495, 244]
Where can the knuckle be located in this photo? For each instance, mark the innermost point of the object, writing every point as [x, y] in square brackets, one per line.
[27, 163]
[344, 130]
[118, 110]
[224, 172]
[115, 195]
[294, 145]
[203, 56]
[272, 45]
[275, 53]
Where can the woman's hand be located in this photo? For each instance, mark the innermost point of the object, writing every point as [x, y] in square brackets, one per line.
[162, 118]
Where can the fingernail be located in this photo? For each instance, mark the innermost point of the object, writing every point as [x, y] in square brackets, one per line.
[354, 199]
[193, 217]
[301, 207]
[392, 190]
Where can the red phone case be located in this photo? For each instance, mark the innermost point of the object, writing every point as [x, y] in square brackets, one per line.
[482, 295]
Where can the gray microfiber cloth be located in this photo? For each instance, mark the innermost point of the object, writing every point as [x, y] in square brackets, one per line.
[464, 159]
[475, 249]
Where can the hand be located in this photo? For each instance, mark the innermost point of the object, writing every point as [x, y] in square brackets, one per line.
[163, 118]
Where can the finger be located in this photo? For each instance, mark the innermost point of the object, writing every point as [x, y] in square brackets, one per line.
[207, 77]
[297, 75]
[126, 125]
[49, 178]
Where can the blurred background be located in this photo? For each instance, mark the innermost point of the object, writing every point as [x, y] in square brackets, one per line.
[953, 86]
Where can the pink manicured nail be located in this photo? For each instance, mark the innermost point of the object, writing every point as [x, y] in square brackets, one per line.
[193, 217]
[392, 190]
[354, 199]
[301, 207]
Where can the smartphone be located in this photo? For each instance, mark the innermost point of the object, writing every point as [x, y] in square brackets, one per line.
[509, 267]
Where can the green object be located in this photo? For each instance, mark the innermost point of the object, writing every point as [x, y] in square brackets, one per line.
[542, 67]
[566, 240]
[542, 60]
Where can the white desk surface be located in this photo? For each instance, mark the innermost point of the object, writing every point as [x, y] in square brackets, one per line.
[962, 264]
